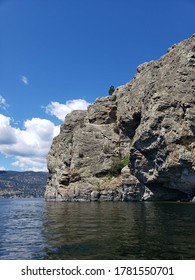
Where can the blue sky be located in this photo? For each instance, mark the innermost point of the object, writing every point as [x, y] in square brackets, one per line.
[60, 55]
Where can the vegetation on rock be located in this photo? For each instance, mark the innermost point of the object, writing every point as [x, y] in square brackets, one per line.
[117, 165]
[111, 90]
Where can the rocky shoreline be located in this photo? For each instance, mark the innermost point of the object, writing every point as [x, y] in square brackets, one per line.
[137, 144]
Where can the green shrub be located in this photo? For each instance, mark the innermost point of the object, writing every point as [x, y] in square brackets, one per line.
[117, 165]
[98, 186]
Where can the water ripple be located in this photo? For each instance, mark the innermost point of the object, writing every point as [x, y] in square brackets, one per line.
[35, 229]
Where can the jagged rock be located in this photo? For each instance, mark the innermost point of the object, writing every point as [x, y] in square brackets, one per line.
[103, 111]
[131, 188]
[82, 153]
[162, 155]
[151, 119]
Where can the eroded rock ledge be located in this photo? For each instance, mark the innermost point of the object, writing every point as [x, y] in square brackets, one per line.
[138, 144]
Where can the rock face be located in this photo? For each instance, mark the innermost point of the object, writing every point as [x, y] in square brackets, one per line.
[138, 144]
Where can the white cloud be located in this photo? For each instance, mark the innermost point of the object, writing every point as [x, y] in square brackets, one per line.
[28, 146]
[7, 133]
[24, 79]
[61, 110]
[2, 168]
[29, 164]
[3, 103]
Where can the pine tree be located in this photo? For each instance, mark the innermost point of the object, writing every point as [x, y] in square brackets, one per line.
[111, 90]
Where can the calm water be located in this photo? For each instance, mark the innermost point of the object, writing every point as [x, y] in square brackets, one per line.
[35, 229]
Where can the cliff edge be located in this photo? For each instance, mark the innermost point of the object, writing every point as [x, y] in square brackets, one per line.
[138, 144]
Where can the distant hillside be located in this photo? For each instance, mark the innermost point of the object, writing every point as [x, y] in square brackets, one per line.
[22, 184]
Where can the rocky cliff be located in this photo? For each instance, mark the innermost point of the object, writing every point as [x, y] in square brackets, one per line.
[138, 144]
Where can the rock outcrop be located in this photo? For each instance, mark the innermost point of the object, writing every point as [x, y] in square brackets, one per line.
[138, 144]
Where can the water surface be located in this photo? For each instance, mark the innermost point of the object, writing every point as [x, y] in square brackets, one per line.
[35, 229]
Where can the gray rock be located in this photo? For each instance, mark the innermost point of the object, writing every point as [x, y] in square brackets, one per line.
[151, 119]
[162, 155]
[95, 195]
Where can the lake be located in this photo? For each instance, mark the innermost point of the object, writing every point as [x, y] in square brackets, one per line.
[35, 229]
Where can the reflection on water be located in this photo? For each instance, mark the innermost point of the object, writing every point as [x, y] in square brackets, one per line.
[119, 230]
[35, 229]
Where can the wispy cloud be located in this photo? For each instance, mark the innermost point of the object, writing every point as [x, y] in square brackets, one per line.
[24, 79]
[3, 103]
[61, 110]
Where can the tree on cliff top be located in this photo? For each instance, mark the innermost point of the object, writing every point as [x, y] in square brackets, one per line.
[111, 90]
